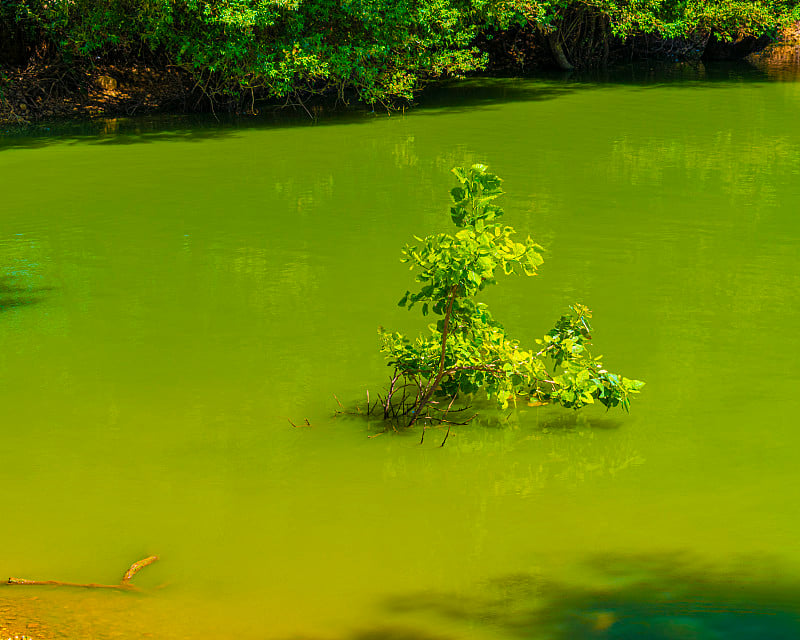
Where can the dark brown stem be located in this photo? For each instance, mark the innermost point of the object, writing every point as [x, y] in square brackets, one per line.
[452, 400]
[429, 391]
[446, 325]
[389, 394]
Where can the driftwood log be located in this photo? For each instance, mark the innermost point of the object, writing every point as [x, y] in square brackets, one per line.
[124, 585]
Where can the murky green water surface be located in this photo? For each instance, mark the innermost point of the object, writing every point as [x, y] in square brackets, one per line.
[173, 296]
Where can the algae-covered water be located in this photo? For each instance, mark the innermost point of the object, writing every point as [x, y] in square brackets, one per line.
[174, 296]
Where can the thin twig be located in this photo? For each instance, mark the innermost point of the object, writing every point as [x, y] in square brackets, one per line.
[455, 395]
[460, 424]
[445, 411]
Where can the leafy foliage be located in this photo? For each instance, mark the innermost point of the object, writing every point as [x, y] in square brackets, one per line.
[466, 351]
[727, 18]
[376, 50]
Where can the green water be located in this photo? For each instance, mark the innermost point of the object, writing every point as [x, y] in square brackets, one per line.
[173, 296]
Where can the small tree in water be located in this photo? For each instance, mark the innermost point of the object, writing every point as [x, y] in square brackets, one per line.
[468, 352]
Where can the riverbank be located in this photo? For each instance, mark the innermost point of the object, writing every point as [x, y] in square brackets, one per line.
[112, 92]
[40, 92]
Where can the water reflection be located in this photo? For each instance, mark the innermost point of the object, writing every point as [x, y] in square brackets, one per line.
[780, 62]
[540, 447]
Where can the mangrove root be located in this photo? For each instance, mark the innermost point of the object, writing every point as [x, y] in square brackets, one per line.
[124, 585]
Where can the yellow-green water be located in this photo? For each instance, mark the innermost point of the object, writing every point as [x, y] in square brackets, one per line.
[172, 298]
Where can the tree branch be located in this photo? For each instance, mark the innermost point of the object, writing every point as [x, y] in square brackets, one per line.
[435, 384]
[124, 585]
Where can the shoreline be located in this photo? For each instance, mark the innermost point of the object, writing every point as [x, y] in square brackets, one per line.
[41, 93]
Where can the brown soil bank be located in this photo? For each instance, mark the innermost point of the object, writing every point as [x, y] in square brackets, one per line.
[41, 91]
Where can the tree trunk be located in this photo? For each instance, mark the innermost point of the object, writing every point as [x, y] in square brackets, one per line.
[554, 40]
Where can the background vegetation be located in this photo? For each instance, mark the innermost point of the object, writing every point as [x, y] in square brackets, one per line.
[376, 51]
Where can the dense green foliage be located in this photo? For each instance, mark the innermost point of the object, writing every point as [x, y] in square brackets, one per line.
[377, 50]
[380, 49]
[467, 351]
[675, 19]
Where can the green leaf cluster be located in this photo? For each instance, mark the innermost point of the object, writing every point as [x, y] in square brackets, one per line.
[466, 351]
[667, 18]
[376, 50]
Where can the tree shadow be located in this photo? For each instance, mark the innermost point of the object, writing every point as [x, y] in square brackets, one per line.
[661, 597]
[569, 420]
[167, 128]
[112, 131]
[12, 295]
[386, 632]
[478, 414]
[395, 633]
[487, 93]
[437, 99]
[631, 597]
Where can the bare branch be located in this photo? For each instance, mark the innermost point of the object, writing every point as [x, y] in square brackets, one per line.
[136, 567]
[124, 585]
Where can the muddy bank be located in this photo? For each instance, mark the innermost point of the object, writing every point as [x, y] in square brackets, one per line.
[781, 61]
[40, 91]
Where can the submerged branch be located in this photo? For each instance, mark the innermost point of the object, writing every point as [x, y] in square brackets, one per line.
[124, 585]
[136, 567]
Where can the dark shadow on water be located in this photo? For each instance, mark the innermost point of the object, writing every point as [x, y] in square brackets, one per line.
[650, 598]
[122, 131]
[447, 98]
[663, 597]
[482, 418]
[12, 295]
[160, 129]
[384, 633]
[487, 93]
[568, 420]
[395, 633]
